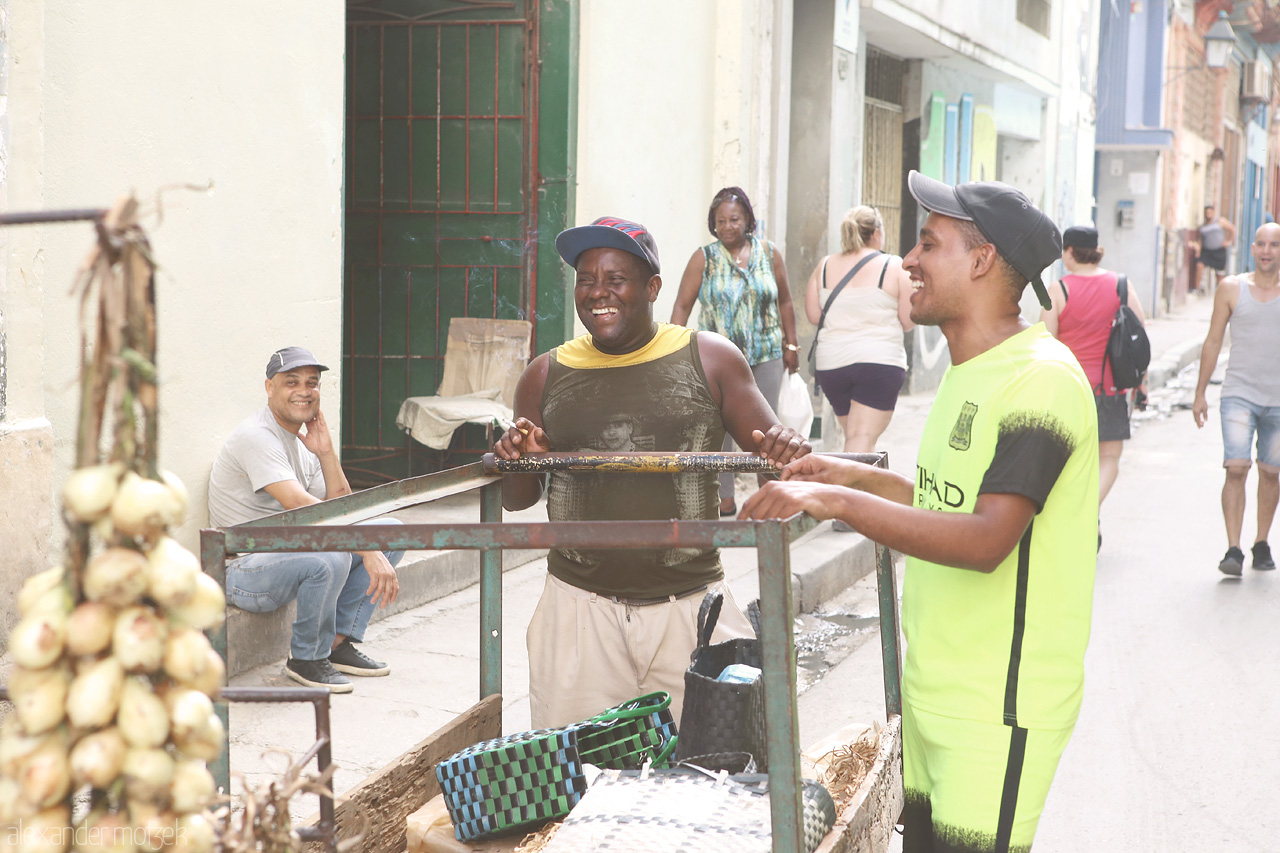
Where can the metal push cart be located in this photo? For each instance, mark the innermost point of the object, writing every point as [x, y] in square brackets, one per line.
[386, 798]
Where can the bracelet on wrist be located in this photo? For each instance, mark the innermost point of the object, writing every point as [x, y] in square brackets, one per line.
[791, 347]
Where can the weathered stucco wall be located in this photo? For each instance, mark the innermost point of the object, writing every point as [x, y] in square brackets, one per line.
[249, 100]
[667, 115]
[26, 436]
[107, 98]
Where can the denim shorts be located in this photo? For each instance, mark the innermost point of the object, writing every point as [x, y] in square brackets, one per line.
[1240, 421]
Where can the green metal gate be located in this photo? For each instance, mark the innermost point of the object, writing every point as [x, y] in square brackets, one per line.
[441, 204]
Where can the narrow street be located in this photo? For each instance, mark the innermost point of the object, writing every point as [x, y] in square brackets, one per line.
[1176, 745]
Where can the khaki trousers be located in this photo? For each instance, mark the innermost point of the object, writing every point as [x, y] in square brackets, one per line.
[588, 652]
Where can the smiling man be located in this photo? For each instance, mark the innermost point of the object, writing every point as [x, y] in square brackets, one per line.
[612, 625]
[282, 457]
[1250, 405]
[998, 528]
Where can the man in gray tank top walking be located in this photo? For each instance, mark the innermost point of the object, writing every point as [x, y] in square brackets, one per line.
[1250, 304]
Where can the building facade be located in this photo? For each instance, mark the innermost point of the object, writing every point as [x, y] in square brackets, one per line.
[370, 169]
[998, 91]
[1176, 135]
[102, 99]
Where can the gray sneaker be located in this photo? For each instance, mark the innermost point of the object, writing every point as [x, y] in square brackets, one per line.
[1233, 563]
[1262, 561]
[347, 658]
[318, 673]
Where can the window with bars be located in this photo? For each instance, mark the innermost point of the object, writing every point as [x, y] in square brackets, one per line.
[1035, 14]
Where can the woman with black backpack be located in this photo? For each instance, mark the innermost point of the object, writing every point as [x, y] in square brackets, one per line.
[1084, 309]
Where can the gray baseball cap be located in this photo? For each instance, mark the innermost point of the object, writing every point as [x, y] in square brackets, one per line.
[289, 358]
[1026, 238]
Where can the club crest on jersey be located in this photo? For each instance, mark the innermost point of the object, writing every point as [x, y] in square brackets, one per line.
[962, 432]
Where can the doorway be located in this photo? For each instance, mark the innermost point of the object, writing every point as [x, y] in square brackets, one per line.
[441, 206]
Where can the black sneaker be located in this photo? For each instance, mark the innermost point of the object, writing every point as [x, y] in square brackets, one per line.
[347, 658]
[318, 673]
[1233, 563]
[1262, 561]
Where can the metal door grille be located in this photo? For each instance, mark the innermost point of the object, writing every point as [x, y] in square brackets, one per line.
[882, 142]
[440, 204]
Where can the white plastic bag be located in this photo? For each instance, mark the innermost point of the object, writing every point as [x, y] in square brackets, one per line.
[795, 407]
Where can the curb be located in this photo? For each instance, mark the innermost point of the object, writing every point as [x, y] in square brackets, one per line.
[255, 639]
[1172, 361]
[825, 564]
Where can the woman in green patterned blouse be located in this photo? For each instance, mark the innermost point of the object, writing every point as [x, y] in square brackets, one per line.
[740, 284]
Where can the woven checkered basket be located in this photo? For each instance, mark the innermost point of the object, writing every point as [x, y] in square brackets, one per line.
[684, 810]
[517, 782]
[619, 741]
[721, 716]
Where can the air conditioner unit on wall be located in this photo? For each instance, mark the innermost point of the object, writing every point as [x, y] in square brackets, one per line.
[1256, 82]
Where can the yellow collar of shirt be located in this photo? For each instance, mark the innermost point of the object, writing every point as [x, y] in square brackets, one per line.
[581, 354]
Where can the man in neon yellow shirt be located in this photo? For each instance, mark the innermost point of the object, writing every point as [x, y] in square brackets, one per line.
[998, 527]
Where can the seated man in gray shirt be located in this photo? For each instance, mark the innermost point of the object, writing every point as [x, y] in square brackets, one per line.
[282, 457]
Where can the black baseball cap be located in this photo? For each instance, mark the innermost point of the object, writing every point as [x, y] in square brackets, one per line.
[608, 232]
[1080, 236]
[1026, 238]
[290, 358]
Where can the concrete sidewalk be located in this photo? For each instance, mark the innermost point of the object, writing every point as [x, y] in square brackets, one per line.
[431, 639]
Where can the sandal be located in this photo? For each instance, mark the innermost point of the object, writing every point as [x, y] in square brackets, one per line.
[731, 511]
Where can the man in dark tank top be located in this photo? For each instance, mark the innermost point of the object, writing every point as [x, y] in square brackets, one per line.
[613, 625]
[1214, 239]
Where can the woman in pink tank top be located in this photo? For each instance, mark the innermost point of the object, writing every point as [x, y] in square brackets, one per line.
[1084, 304]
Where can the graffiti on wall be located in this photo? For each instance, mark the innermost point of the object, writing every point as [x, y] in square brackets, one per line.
[959, 145]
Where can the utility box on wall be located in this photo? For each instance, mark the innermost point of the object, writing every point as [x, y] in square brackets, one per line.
[1124, 214]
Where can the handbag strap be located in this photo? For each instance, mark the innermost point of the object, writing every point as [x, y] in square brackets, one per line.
[834, 293]
[1122, 290]
[708, 616]
[641, 706]
[884, 269]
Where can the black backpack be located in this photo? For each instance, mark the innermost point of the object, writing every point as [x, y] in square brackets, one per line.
[1128, 349]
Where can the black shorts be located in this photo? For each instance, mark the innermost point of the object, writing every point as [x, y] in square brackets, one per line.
[1216, 258]
[872, 385]
[1113, 417]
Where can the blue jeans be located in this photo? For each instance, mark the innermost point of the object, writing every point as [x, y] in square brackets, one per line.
[331, 589]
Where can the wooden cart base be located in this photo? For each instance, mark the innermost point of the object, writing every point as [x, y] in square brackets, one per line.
[866, 824]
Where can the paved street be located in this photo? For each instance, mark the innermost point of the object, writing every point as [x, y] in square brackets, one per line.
[1176, 748]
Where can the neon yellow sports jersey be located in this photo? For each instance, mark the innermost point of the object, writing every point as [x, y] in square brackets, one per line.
[1008, 646]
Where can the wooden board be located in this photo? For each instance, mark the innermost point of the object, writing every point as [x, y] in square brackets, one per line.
[866, 824]
[387, 797]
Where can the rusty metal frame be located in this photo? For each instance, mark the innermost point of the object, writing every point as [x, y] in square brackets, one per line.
[325, 831]
[330, 526]
[37, 217]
